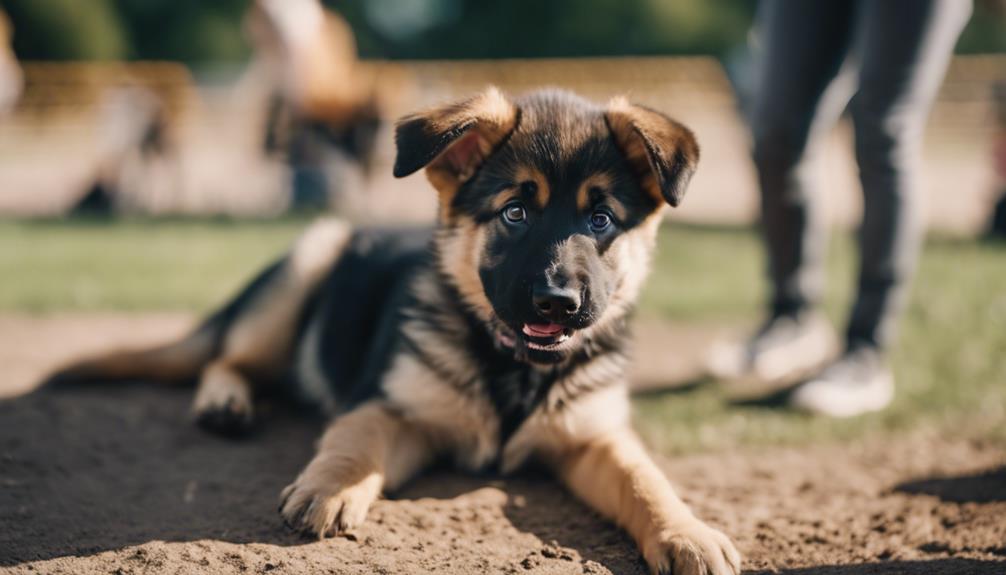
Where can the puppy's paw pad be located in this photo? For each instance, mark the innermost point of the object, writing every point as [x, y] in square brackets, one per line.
[233, 417]
[696, 549]
[324, 512]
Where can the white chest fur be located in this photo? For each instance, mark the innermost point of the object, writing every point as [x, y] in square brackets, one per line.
[465, 424]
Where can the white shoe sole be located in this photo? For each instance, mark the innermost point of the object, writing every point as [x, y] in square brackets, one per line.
[840, 399]
[729, 361]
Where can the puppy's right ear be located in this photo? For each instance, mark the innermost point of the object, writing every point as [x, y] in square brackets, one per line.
[452, 141]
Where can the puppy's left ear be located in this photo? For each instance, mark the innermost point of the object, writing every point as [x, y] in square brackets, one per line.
[453, 140]
[662, 152]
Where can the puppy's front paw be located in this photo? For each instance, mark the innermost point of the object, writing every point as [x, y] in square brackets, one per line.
[325, 506]
[692, 549]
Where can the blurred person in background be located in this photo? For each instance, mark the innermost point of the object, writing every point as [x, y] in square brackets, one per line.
[894, 54]
[321, 99]
[11, 78]
[137, 160]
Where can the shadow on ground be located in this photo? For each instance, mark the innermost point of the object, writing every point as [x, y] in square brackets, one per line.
[93, 469]
[933, 567]
[984, 487]
[88, 470]
[117, 478]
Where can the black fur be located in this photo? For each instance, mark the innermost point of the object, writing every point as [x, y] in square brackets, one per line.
[418, 143]
[359, 309]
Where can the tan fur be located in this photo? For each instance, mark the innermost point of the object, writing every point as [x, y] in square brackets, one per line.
[361, 453]
[461, 251]
[543, 192]
[504, 197]
[259, 342]
[492, 116]
[494, 113]
[600, 181]
[616, 477]
[620, 120]
[646, 137]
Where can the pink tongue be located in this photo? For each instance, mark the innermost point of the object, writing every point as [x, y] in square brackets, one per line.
[541, 329]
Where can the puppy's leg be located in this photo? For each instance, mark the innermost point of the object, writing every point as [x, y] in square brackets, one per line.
[258, 344]
[361, 452]
[260, 341]
[615, 476]
[223, 401]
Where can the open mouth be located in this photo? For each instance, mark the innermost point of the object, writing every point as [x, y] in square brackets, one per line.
[539, 336]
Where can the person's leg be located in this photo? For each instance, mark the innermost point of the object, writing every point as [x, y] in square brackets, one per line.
[804, 46]
[798, 96]
[907, 45]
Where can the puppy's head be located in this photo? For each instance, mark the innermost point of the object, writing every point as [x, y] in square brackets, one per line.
[549, 206]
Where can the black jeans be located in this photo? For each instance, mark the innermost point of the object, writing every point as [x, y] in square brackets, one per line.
[893, 55]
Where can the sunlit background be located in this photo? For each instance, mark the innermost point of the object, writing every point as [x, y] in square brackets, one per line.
[155, 153]
[167, 101]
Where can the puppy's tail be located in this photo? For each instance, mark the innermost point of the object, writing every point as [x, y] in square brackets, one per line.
[176, 362]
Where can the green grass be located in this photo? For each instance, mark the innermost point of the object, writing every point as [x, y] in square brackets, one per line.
[950, 362]
[54, 266]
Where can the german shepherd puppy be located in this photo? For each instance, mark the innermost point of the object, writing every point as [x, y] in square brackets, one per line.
[498, 339]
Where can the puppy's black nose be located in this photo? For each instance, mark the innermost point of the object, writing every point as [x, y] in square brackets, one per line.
[556, 304]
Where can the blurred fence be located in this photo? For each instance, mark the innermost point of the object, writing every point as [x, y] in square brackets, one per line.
[50, 147]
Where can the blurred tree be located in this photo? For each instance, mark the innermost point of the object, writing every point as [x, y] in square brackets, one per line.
[66, 29]
[986, 32]
[187, 30]
[556, 28]
[203, 30]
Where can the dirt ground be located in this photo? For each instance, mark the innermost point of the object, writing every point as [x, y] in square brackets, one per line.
[116, 480]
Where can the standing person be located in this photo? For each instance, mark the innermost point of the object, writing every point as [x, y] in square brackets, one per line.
[321, 98]
[897, 51]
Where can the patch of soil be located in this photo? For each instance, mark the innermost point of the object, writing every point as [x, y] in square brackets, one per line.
[116, 479]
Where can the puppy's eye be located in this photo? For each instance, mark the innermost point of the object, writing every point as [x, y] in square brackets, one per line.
[599, 221]
[514, 213]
